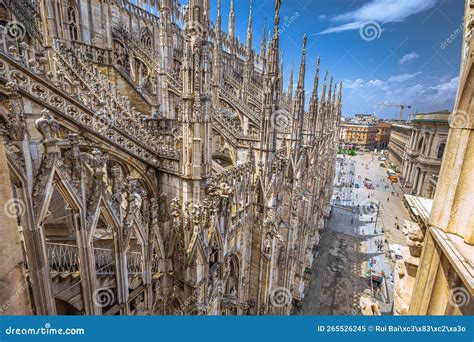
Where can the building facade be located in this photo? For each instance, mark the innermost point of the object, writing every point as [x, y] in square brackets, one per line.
[365, 118]
[360, 136]
[400, 134]
[424, 153]
[152, 163]
[382, 138]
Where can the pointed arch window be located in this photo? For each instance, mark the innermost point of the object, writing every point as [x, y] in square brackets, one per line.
[146, 37]
[72, 21]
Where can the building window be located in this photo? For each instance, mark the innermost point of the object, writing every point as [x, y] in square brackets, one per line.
[441, 148]
[71, 20]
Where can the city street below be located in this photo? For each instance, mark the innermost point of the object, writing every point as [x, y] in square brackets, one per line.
[353, 269]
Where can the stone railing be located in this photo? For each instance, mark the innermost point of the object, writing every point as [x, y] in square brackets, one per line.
[94, 53]
[236, 173]
[116, 109]
[64, 258]
[138, 12]
[104, 261]
[232, 132]
[133, 41]
[134, 263]
[225, 128]
[80, 93]
[244, 109]
[175, 85]
[232, 80]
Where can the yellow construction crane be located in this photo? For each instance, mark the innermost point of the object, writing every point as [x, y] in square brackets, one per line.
[401, 106]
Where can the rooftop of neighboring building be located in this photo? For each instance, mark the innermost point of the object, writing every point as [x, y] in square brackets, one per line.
[402, 125]
[384, 124]
[357, 124]
[435, 117]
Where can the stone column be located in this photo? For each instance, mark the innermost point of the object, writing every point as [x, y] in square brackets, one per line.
[14, 288]
[452, 216]
[421, 181]
[414, 182]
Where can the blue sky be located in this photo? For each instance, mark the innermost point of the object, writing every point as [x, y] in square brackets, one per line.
[409, 61]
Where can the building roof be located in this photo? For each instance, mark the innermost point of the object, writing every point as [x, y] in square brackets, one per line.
[435, 117]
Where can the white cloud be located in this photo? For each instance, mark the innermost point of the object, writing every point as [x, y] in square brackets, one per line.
[408, 57]
[450, 86]
[376, 83]
[342, 28]
[364, 96]
[381, 11]
[351, 85]
[403, 77]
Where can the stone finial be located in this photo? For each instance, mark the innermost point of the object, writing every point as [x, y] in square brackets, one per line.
[231, 30]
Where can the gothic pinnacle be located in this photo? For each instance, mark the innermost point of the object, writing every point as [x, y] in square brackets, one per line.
[219, 17]
[263, 45]
[281, 69]
[290, 84]
[249, 29]
[316, 80]
[231, 20]
[330, 90]
[303, 65]
[323, 93]
[274, 55]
